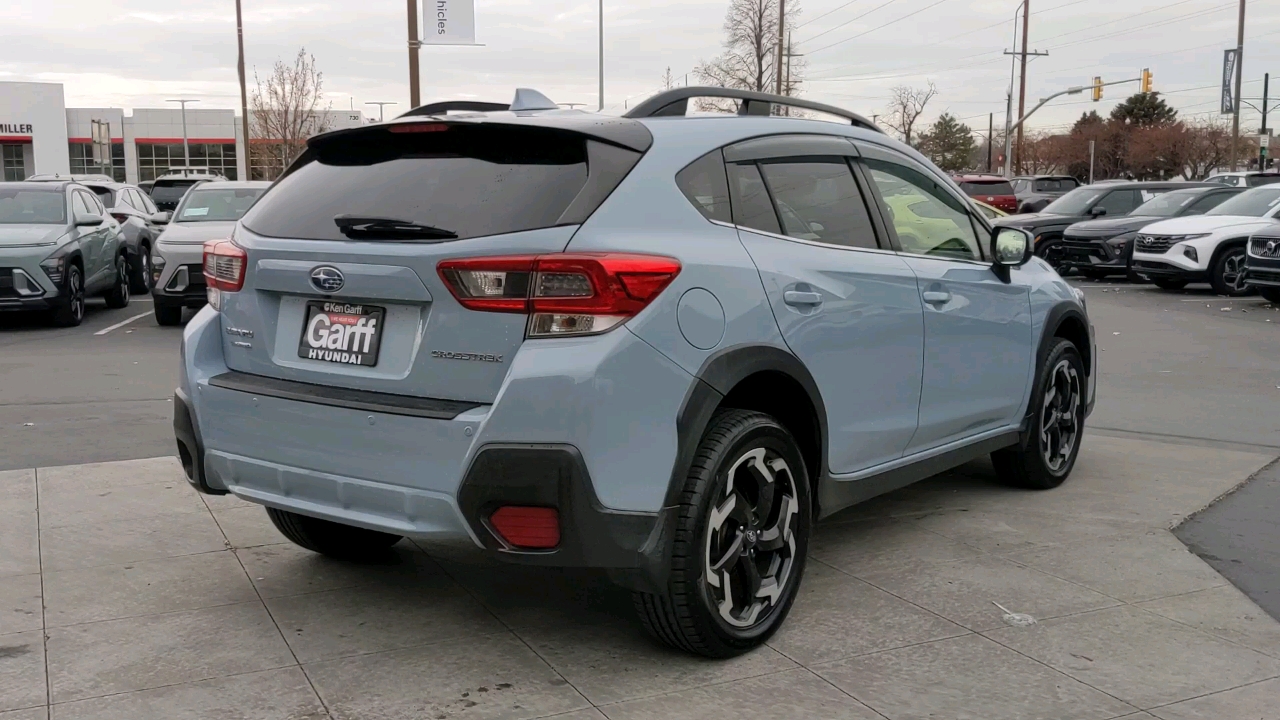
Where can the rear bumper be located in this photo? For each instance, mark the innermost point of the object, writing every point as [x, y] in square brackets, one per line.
[582, 426]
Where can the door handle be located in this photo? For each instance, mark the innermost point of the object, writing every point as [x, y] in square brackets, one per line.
[801, 298]
[936, 297]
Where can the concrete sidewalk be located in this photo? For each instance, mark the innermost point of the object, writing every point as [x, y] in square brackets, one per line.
[123, 594]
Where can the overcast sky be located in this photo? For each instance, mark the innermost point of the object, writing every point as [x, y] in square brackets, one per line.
[137, 53]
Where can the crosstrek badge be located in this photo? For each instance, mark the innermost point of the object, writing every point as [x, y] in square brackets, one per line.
[342, 333]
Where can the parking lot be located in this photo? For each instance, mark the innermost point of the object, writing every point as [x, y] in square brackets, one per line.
[155, 602]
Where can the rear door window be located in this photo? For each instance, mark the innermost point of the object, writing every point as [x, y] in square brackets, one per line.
[752, 207]
[461, 180]
[819, 200]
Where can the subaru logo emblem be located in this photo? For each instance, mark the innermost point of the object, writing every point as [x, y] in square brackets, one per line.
[327, 279]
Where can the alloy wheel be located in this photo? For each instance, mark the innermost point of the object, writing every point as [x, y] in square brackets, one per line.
[750, 552]
[145, 265]
[122, 279]
[1233, 272]
[1060, 416]
[75, 289]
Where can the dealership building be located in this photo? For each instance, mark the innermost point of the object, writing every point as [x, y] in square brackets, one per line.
[40, 134]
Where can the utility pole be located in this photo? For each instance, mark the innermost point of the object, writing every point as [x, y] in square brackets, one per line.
[1235, 120]
[380, 104]
[186, 152]
[1022, 74]
[244, 95]
[415, 92]
[601, 55]
[1262, 149]
[782, 25]
[991, 138]
[1091, 146]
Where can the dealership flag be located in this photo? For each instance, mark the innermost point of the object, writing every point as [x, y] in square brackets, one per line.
[1228, 82]
[449, 22]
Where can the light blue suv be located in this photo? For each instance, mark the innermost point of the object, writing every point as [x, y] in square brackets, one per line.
[658, 345]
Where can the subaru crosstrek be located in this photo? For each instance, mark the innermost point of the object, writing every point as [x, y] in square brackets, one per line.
[657, 345]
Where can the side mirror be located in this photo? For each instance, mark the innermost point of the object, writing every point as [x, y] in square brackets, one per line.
[1010, 247]
[161, 218]
[90, 219]
[1097, 211]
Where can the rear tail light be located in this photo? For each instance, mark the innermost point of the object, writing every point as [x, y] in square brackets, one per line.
[120, 217]
[224, 266]
[564, 295]
[533, 528]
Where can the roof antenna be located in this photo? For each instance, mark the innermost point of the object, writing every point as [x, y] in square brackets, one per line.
[529, 99]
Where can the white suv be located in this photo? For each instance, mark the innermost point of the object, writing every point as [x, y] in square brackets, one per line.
[1207, 248]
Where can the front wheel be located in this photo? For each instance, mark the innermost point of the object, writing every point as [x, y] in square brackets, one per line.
[740, 543]
[71, 312]
[1227, 276]
[344, 542]
[118, 296]
[1044, 460]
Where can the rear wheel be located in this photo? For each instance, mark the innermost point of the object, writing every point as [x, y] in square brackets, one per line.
[330, 538]
[1227, 276]
[1094, 274]
[741, 539]
[1045, 459]
[118, 296]
[1271, 295]
[141, 281]
[1165, 284]
[71, 313]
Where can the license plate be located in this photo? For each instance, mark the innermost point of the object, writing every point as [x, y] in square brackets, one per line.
[342, 333]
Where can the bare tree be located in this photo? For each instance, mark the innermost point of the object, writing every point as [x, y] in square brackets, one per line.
[749, 60]
[906, 105]
[285, 109]
[668, 81]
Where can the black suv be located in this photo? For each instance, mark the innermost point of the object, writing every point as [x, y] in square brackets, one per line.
[1098, 248]
[1085, 203]
[1262, 264]
[1034, 192]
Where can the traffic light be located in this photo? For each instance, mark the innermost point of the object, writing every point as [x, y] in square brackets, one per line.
[1146, 80]
[1097, 89]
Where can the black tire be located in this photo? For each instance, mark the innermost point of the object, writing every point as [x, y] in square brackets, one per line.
[141, 279]
[1227, 274]
[687, 615]
[330, 538]
[1271, 295]
[71, 312]
[1094, 274]
[118, 296]
[1026, 465]
[1166, 284]
[1051, 252]
[168, 315]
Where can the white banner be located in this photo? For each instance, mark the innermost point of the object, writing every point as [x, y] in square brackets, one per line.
[449, 22]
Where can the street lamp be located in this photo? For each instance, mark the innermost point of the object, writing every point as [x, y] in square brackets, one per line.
[380, 104]
[186, 151]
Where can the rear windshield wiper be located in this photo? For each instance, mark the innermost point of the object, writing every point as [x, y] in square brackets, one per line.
[362, 227]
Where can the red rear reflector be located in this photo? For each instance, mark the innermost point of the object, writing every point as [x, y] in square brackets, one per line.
[224, 265]
[527, 527]
[419, 128]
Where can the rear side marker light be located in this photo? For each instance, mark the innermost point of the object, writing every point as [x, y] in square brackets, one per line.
[564, 295]
[224, 267]
[530, 528]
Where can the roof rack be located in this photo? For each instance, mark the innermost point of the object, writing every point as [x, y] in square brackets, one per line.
[441, 108]
[675, 103]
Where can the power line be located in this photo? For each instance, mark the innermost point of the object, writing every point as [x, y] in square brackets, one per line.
[838, 7]
[878, 27]
[837, 27]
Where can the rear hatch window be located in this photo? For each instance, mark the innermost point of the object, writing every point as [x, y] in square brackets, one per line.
[460, 180]
[999, 187]
[1263, 179]
[170, 191]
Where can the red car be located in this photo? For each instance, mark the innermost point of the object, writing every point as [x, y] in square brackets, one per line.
[990, 189]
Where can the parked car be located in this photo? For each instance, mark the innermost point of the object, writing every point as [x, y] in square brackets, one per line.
[991, 189]
[991, 213]
[139, 219]
[58, 246]
[1262, 263]
[207, 212]
[58, 177]
[1084, 203]
[1246, 179]
[1098, 248]
[449, 328]
[169, 188]
[1209, 248]
[1035, 192]
[145, 186]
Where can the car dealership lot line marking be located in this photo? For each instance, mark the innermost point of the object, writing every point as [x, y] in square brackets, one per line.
[122, 323]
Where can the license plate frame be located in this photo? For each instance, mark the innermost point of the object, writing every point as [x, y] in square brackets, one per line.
[360, 341]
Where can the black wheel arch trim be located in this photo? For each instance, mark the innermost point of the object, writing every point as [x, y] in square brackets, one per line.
[1057, 316]
[1225, 245]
